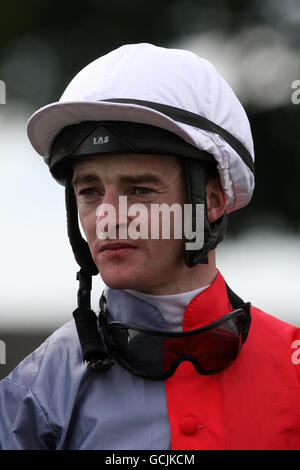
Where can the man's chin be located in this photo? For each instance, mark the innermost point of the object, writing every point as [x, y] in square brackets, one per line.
[121, 281]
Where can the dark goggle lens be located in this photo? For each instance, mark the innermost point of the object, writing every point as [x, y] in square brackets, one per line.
[213, 351]
[158, 355]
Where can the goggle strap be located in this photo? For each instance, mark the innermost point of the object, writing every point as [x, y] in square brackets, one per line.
[236, 302]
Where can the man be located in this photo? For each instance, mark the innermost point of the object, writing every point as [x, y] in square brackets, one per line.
[177, 360]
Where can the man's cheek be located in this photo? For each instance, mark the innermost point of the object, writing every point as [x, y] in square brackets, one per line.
[88, 226]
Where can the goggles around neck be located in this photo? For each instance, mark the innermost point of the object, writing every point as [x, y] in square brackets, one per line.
[155, 354]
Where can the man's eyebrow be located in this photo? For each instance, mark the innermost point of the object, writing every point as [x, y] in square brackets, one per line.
[142, 178]
[85, 178]
[92, 178]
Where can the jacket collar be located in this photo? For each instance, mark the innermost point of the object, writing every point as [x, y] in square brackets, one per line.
[208, 306]
[204, 308]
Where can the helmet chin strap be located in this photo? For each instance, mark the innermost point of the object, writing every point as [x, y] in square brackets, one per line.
[196, 181]
[93, 350]
[79, 246]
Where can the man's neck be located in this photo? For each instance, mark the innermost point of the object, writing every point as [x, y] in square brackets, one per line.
[200, 275]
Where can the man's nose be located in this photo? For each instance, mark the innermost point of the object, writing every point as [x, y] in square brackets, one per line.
[110, 197]
[112, 214]
[115, 202]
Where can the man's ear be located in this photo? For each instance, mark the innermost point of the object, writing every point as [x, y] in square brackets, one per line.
[215, 199]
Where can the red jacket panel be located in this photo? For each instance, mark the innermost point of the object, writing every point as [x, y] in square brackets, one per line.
[254, 403]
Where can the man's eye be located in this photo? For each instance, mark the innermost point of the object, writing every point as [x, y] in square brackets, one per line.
[141, 191]
[88, 192]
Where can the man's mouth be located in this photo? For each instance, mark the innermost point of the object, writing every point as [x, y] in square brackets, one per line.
[116, 249]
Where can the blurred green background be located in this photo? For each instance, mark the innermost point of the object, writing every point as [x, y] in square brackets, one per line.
[255, 45]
